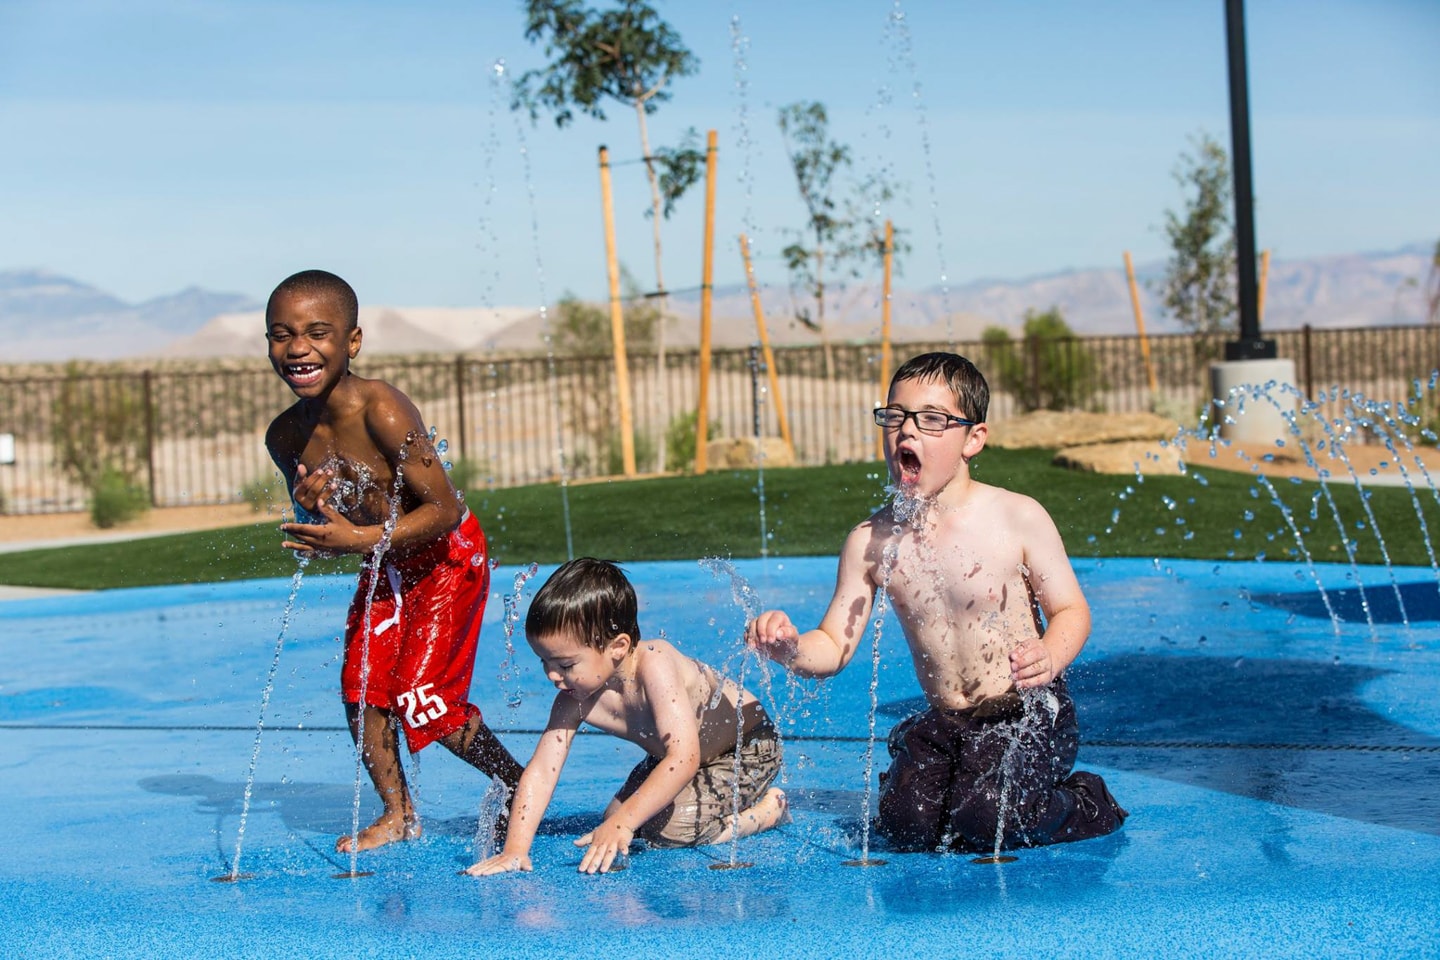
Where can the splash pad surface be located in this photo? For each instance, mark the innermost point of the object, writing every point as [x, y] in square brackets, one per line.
[1283, 779]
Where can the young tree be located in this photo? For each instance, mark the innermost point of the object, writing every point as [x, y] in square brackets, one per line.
[1199, 283]
[1053, 370]
[627, 55]
[1432, 287]
[838, 233]
[583, 329]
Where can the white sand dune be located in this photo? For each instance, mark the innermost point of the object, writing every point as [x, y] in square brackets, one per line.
[388, 330]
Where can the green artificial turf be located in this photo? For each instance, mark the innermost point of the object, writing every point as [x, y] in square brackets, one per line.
[1206, 514]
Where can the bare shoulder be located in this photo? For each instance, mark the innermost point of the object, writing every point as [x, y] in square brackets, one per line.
[389, 412]
[282, 437]
[879, 522]
[658, 658]
[382, 396]
[566, 714]
[1010, 503]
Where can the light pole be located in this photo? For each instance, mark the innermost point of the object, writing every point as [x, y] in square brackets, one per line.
[1250, 345]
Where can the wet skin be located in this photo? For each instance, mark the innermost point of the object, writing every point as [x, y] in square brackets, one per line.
[969, 568]
[357, 457]
[650, 694]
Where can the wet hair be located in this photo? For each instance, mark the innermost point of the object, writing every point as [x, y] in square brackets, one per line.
[323, 284]
[587, 599]
[972, 393]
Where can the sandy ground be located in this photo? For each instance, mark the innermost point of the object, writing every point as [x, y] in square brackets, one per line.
[23, 532]
[1373, 464]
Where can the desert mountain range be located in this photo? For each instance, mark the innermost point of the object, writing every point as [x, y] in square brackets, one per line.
[46, 317]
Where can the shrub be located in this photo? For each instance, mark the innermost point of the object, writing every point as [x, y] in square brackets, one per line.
[114, 498]
[100, 431]
[680, 440]
[615, 454]
[1049, 370]
[267, 494]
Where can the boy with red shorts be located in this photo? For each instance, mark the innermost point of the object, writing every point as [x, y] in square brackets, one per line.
[359, 463]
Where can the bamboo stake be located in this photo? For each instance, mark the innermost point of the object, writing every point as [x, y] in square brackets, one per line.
[1140, 327]
[770, 372]
[617, 321]
[885, 358]
[1264, 278]
[707, 276]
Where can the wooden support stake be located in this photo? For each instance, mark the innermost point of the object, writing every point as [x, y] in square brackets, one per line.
[1140, 328]
[770, 372]
[617, 321]
[707, 276]
[885, 360]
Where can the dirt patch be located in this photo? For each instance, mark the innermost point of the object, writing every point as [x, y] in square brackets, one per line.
[1051, 428]
[46, 527]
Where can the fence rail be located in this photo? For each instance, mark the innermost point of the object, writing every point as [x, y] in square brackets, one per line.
[196, 437]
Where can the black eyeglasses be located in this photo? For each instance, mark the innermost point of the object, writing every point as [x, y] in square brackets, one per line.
[927, 421]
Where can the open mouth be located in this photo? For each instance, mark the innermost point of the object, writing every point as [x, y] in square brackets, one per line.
[303, 374]
[907, 464]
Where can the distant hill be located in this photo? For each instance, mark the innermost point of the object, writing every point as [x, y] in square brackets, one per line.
[45, 316]
[1354, 290]
[387, 330]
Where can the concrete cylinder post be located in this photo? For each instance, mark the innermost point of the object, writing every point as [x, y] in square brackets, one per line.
[1255, 395]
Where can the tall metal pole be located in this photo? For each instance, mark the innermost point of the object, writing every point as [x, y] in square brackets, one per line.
[1250, 346]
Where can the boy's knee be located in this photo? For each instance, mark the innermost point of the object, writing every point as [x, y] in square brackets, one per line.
[908, 819]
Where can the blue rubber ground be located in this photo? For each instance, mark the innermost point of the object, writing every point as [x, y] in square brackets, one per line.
[1283, 779]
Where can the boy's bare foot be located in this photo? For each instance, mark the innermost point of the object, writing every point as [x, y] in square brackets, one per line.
[386, 829]
[771, 810]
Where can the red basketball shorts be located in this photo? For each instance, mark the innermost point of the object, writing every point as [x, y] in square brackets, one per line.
[413, 651]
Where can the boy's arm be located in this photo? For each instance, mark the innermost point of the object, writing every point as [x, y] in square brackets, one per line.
[660, 678]
[1057, 592]
[824, 651]
[536, 787]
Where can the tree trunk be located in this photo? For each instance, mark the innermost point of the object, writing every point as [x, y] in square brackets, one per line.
[660, 398]
[827, 391]
[820, 313]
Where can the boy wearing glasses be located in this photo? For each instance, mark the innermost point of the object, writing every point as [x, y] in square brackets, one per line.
[993, 614]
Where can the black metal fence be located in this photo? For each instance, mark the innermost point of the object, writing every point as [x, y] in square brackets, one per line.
[196, 437]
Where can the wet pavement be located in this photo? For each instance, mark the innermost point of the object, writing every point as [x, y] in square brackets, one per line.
[1282, 773]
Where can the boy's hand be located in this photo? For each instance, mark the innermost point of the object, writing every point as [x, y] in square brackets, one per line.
[334, 535]
[311, 488]
[606, 842]
[1031, 666]
[501, 863]
[774, 635]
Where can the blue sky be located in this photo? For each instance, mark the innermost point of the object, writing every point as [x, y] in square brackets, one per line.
[149, 145]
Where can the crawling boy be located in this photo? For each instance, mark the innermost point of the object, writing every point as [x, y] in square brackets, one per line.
[992, 613]
[583, 626]
[357, 458]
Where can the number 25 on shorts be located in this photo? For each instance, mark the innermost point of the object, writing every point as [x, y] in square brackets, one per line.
[421, 706]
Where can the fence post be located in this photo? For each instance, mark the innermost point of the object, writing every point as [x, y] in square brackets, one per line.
[1309, 363]
[148, 392]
